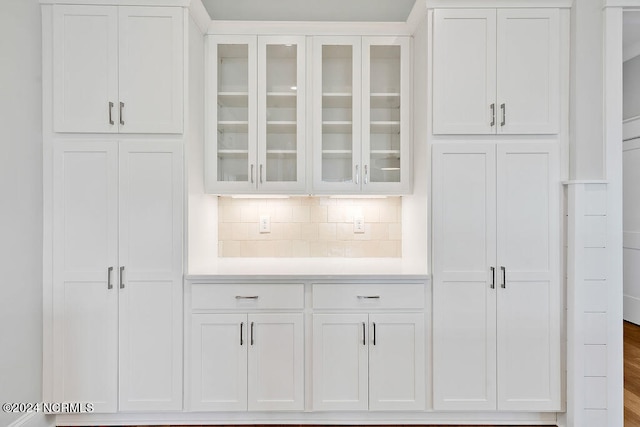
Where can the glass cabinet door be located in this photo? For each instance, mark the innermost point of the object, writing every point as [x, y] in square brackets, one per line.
[231, 131]
[337, 126]
[281, 107]
[385, 114]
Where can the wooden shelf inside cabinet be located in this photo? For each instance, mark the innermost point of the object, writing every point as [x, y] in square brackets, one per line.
[337, 126]
[239, 126]
[384, 152]
[385, 100]
[233, 99]
[233, 154]
[337, 99]
[281, 126]
[336, 154]
[385, 127]
[281, 153]
[282, 99]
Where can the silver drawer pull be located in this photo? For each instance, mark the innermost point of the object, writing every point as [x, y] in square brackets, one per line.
[368, 296]
[246, 297]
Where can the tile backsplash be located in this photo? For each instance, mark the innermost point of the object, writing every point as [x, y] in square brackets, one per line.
[310, 227]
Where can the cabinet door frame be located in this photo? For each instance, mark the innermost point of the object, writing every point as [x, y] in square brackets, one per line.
[404, 185]
[299, 185]
[354, 186]
[212, 185]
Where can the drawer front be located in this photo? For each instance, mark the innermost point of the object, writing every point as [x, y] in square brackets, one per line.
[384, 296]
[246, 297]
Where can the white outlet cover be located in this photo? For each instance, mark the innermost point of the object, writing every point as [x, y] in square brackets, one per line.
[265, 224]
[358, 224]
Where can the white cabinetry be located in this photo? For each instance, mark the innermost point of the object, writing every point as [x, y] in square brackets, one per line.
[361, 115]
[118, 69]
[243, 361]
[368, 360]
[496, 71]
[496, 292]
[255, 118]
[117, 274]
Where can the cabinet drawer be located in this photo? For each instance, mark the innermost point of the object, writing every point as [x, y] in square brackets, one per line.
[246, 296]
[385, 296]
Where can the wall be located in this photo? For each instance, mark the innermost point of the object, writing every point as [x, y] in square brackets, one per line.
[21, 213]
[631, 85]
[310, 227]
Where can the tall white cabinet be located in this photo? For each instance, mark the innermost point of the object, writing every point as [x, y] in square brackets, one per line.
[496, 290]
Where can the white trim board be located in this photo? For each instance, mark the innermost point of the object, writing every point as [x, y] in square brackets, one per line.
[632, 309]
[34, 419]
[491, 4]
[631, 128]
[220, 27]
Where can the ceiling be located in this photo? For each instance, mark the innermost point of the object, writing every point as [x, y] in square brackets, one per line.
[310, 10]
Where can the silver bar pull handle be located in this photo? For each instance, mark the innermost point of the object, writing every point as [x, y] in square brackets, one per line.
[122, 277]
[504, 277]
[109, 284]
[504, 114]
[252, 173]
[366, 174]
[121, 113]
[493, 278]
[368, 296]
[110, 113]
[493, 114]
[260, 173]
[357, 174]
[374, 333]
[364, 340]
[251, 333]
[247, 297]
[241, 327]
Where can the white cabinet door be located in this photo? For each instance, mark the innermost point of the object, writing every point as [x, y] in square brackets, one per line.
[219, 362]
[85, 68]
[528, 71]
[386, 115]
[85, 294]
[151, 62]
[281, 114]
[396, 362]
[150, 282]
[464, 294]
[464, 71]
[276, 362]
[529, 291]
[337, 128]
[340, 362]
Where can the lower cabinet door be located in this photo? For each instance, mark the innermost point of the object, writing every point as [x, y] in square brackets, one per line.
[219, 362]
[396, 362]
[340, 362]
[276, 362]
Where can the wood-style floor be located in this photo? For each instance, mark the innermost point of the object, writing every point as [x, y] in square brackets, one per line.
[631, 381]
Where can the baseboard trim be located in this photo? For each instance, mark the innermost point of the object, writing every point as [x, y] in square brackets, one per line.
[34, 419]
[631, 309]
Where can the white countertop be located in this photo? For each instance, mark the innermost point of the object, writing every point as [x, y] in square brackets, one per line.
[318, 267]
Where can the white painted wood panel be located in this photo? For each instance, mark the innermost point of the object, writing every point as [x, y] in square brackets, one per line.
[85, 229]
[368, 296]
[340, 362]
[276, 362]
[218, 362]
[247, 296]
[464, 71]
[151, 280]
[151, 66]
[528, 72]
[631, 227]
[396, 362]
[464, 301]
[85, 68]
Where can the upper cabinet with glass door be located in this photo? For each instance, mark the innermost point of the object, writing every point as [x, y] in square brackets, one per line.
[255, 129]
[361, 115]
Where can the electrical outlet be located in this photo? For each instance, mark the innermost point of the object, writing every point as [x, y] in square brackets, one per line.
[358, 224]
[265, 224]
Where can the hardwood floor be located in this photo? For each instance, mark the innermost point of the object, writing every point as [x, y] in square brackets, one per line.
[631, 375]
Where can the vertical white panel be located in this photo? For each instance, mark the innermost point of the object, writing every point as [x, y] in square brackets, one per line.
[151, 282]
[595, 393]
[464, 71]
[464, 299]
[85, 68]
[85, 230]
[528, 71]
[276, 365]
[396, 362]
[219, 362]
[151, 67]
[340, 362]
